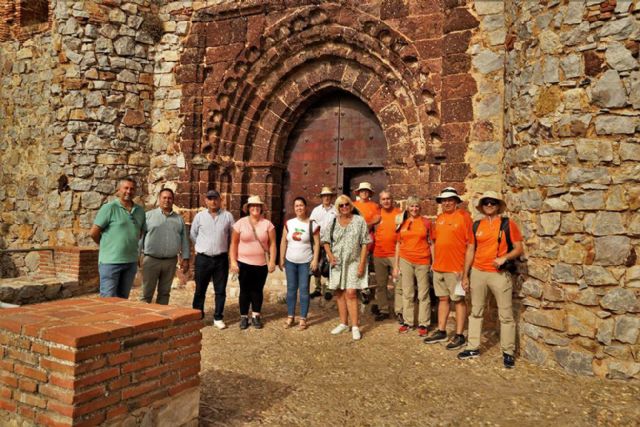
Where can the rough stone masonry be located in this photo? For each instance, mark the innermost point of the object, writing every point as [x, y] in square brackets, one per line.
[540, 100]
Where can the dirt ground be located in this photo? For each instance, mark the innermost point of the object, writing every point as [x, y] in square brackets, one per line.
[287, 377]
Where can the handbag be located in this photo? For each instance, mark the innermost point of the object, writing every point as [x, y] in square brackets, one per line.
[266, 251]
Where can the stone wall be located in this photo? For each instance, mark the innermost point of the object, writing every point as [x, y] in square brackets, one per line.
[572, 175]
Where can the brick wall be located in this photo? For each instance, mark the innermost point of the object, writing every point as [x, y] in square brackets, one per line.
[86, 360]
[74, 263]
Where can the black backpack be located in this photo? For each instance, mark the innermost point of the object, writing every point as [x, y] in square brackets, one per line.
[510, 265]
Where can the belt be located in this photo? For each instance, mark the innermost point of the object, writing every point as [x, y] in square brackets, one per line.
[157, 257]
[212, 256]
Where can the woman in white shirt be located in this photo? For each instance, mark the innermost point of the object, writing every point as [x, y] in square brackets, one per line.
[299, 250]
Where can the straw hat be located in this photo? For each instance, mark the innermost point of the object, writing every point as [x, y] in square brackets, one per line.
[448, 193]
[364, 186]
[253, 200]
[327, 191]
[502, 206]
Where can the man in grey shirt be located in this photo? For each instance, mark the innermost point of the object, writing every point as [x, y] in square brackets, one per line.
[211, 234]
[165, 238]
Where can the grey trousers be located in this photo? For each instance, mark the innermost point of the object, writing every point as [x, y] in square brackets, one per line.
[157, 273]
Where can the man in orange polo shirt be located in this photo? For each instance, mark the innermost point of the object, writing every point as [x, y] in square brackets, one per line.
[383, 259]
[453, 250]
[488, 274]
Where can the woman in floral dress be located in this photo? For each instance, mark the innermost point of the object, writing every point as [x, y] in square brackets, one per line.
[345, 241]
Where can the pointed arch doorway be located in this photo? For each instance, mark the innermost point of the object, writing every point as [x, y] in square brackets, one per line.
[337, 142]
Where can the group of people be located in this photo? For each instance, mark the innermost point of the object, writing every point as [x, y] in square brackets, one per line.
[408, 251]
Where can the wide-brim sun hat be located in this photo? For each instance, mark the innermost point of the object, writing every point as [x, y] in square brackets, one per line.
[502, 206]
[448, 193]
[364, 186]
[252, 200]
[327, 191]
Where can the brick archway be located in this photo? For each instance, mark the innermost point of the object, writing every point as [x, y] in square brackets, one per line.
[249, 74]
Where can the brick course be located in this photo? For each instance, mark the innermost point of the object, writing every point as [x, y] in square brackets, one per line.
[66, 363]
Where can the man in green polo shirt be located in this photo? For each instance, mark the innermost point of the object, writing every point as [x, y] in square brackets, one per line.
[117, 229]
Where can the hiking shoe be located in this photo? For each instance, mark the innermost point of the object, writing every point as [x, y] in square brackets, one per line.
[381, 316]
[404, 328]
[328, 296]
[508, 360]
[422, 330]
[437, 336]
[339, 329]
[315, 294]
[256, 322]
[456, 342]
[355, 333]
[375, 310]
[244, 322]
[468, 354]
[219, 324]
[400, 318]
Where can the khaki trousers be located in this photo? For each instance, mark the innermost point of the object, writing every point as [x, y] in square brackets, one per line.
[410, 271]
[501, 286]
[383, 268]
[157, 273]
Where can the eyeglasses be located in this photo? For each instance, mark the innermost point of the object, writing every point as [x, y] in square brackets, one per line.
[490, 202]
[344, 205]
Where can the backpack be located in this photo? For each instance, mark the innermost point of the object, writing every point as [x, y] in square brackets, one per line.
[509, 265]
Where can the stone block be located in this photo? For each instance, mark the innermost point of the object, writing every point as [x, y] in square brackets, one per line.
[566, 273]
[548, 224]
[487, 61]
[554, 319]
[608, 91]
[622, 370]
[610, 124]
[581, 321]
[575, 362]
[553, 292]
[586, 296]
[532, 288]
[626, 329]
[619, 300]
[594, 150]
[534, 352]
[612, 250]
[456, 63]
[632, 277]
[589, 201]
[619, 57]
[457, 110]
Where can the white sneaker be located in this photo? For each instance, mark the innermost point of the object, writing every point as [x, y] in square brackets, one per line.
[339, 329]
[219, 324]
[355, 333]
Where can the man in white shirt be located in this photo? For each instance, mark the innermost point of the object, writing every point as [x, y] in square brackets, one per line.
[323, 215]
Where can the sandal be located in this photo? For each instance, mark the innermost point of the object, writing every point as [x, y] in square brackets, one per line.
[303, 324]
[289, 323]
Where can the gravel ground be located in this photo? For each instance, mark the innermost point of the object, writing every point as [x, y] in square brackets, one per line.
[287, 377]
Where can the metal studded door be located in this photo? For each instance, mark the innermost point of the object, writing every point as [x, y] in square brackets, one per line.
[337, 142]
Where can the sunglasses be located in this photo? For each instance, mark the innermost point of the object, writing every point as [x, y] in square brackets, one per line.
[343, 205]
[490, 202]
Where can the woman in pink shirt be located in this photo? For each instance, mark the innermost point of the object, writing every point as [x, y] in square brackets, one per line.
[253, 256]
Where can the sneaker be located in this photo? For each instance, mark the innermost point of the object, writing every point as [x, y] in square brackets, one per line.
[339, 329]
[456, 342]
[244, 322]
[381, 316]
[355, 333]
[256, 322]
[328, 296]
[422, 330]
[315, 294]
[400, 318]
[437, 336]
[375, 310]
[509, 361]
[468, 354]
[404, 328]
[219, 324]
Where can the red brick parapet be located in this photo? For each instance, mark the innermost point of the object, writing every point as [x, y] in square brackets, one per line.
[88, 360]
[72, 262]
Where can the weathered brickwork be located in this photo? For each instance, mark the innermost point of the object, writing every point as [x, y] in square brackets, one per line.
[535, 99]
[99, 361]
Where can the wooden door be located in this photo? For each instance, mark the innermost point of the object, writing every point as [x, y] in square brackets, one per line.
[337, 142]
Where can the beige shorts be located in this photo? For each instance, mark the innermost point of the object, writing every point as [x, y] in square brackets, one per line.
[445, 284]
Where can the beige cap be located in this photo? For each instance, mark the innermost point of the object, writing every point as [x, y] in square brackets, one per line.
[364, 186]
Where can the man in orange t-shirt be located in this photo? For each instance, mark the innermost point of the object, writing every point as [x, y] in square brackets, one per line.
[383, 258]
[487, 275]
[453, 249]
[370, 211]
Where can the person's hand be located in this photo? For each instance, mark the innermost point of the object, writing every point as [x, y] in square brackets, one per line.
[465, 283]
[499, 261]
[234, 267]
[140, 258]
[281, 265]
[332, 260]
[314, 265]
[396, 273]
[272, 267]
[361, 268]
[184, 266]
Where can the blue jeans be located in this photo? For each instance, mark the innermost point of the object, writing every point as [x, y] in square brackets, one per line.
[297, 278]
[116, 279]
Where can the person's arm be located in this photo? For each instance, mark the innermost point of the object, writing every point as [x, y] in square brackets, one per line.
[185, 252]
[233, 252]
[316, 250]
[332, 259]
[517, 250]
[195, 225]
[468, 261]
[396, 261]
[272, 250]
[283, 247]
[95, 233]
[363, 260]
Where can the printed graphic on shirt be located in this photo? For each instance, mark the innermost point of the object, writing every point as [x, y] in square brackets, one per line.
[297, 234]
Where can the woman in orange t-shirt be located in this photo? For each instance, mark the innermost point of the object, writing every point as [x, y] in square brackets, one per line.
[413, 260]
